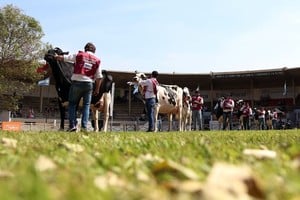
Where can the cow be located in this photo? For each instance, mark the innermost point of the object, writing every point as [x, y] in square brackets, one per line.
[186, 110]
[218, 110]
[62, 72]
[169, 100]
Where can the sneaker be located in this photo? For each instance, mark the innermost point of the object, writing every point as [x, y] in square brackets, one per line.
[74, 129]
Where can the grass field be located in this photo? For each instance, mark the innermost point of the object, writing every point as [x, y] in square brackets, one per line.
[138, 165]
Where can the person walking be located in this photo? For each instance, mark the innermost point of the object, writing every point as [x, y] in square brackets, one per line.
[86, 72]
[227, 106]
[197, 103]
[150, 89]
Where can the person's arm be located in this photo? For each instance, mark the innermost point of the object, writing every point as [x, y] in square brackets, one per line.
[98, 83]
[66, 58]
[201, 102]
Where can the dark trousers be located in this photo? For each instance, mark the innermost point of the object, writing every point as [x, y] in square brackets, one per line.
[227, 116]
[246, 122]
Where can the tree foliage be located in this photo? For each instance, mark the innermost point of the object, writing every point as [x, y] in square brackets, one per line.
[21, 49]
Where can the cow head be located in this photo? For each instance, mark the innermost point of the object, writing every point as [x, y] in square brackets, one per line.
[49, 56]
[186, 98]
[60, 71]
[137, 88]
[107, 82]
[186, 93]
[139, 76]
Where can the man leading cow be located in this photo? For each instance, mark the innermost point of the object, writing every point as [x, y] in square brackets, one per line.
[86, 71]
[169, 100]
[150, 91]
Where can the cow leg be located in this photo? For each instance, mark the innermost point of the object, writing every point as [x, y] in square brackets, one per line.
[184, 122]
[170, 119]
[96, 119]
[106, 104]
[156, 110]
[190, 120]
[180, 118]
[105, 121]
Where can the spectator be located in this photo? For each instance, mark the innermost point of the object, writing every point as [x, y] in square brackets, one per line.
[246, 113]
[227, 106]
[274, 118]
[150, 89]
[197, 103]
[86, 71]
[30, 113]
[261, 118]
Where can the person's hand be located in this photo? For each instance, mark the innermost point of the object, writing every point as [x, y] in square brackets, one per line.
[96, 92]
[59, 57]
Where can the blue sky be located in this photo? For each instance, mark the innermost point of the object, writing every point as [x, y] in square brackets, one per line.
[172, 36]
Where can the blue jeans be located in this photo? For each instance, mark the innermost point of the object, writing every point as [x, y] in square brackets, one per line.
[197, 119]
[80, 90]
[261, 123]
[150, 106]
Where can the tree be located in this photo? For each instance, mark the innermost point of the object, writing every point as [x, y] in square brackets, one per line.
[21, 49]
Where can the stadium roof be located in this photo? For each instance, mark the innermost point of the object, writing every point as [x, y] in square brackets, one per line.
[219, 80]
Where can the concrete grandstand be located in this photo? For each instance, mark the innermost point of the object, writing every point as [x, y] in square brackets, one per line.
[269, 88]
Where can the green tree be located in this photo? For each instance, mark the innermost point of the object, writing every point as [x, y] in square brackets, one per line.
[21, 50]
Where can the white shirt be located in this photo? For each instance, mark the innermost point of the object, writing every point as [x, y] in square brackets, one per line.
[148, 84]
[81, 77]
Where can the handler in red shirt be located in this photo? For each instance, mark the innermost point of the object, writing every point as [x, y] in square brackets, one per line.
[197, 103]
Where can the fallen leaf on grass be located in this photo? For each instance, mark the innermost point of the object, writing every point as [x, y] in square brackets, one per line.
[150, 157]
[260, 153]
[231, 182]
[7, 142]
[73, 147]
[44, 163]
[142, 176]
[296, 162]
[109, 179]
[168, 165]
[189, 186]
[6, 174]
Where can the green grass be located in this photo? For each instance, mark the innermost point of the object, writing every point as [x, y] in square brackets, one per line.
[131, 160]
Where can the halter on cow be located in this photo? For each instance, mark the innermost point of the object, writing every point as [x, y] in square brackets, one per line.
[62, 72]
[169, 100]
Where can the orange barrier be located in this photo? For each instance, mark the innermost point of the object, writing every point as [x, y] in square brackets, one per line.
[11, 126]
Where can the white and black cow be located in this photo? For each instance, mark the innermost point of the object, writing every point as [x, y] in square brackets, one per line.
[169, 100]
[62, 72]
